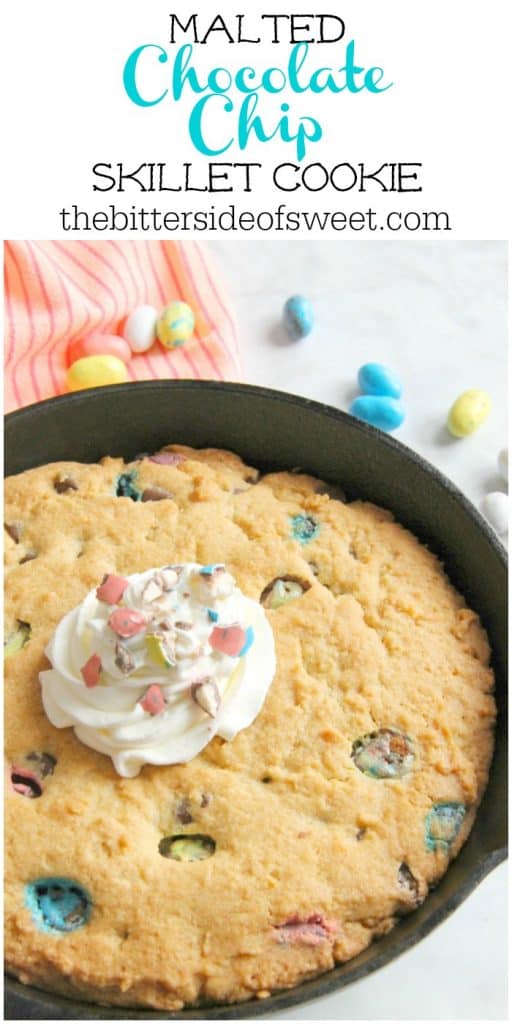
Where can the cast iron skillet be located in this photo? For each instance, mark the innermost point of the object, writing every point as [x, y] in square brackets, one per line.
[271, 429]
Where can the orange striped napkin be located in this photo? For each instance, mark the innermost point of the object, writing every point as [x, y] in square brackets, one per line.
[56, 292]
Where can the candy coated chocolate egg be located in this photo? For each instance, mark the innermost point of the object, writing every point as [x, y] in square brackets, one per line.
[503, 463]
[468, 411]
[58, 904]
[375, 379]
[298, 316]
[175, 325]
[495, 509]
[378, 410]
[96, 371]
[139, 328]
[98, 345]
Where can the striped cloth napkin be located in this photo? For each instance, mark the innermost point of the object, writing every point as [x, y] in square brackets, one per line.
[56, 292]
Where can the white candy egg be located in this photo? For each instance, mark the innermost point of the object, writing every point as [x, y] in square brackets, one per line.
[495, 509]
[140, 328]
[503, 463]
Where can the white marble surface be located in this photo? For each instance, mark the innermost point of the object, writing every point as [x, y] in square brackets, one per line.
[436, 313]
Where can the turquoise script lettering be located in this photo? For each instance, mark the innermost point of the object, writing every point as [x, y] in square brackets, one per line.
[252, 88]
[249, 124]
[130, 75]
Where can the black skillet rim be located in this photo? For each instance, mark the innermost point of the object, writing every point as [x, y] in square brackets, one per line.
[328, 411]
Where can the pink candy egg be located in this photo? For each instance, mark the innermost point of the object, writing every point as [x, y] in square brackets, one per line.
[99, 345]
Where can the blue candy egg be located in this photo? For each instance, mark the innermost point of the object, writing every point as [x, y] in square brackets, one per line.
[379, 410]
[298, 316]
[443, 824]
[58, 904]
[304, 528]
[376, 379]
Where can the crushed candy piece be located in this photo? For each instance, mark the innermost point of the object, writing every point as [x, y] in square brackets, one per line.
[58, 904]
[91, 671]
[304, 528]
[155, 493]
[14, 530]
[187, 847]
[249, 640]
[112, 588]
[65, 484]
[211, 570]
[43, 762]
[153, 701]
[29, 773]
[25, 783]
[167, 458]
[283, 589]
[29, 557]
[305, 931]
[228, 639]
[213, 615]
[206, 694]
[443, 824]
[384, 754]
[124, 659]
[409, 884]
[127, 622]
[17, 640]
[126, 487]
[161, 649]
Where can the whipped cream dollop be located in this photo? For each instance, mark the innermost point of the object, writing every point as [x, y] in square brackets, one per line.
[147, 669]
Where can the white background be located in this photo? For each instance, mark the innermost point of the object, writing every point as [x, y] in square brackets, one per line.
[65, 107]
[436, 314]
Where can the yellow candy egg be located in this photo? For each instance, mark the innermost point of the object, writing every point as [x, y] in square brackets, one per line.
[468, 412]
[175, 325]
[95, 371]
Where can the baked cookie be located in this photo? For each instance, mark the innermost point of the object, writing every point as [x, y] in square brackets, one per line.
[268, 858]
